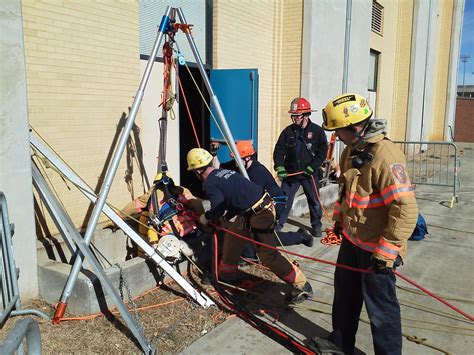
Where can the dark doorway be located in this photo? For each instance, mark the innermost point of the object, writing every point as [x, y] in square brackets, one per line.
[200, 116]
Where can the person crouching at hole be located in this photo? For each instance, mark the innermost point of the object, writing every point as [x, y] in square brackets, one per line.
[230, 192]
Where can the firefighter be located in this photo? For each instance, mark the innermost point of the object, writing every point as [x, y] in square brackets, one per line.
[260, 175]
[301, 147]
[171, 209]
[376, 214]
[230, 192]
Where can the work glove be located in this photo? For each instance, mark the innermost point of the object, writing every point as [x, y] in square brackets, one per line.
[203, 220]
[281, 172]
[308, 171]
[381, 266]
[337, 229]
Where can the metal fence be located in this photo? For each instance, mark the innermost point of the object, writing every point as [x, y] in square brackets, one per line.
[9, 294]
[433, 163]
[428, 163]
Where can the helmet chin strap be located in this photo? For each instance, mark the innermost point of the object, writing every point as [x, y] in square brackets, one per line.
[247, 160]
[359, 135]
[303, 121]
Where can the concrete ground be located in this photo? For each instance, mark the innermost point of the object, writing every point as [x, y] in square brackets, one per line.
[442, 263]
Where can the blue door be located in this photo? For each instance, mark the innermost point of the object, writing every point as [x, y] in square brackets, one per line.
[237, 92]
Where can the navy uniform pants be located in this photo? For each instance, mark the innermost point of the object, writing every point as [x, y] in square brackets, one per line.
[377, 291]
[286, 238]
[290, 187]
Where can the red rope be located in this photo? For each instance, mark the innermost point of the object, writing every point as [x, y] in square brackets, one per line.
[189, 113]
[471, 318]
[342, 266]
[289, 252]
[247, 318]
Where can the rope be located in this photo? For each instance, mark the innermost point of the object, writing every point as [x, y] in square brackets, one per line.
[342, 266]
[206, 104]
[189, 112]
[331, 239]
[271, 331]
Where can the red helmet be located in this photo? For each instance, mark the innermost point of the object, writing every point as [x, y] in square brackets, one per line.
[245, 148]
[299, 106]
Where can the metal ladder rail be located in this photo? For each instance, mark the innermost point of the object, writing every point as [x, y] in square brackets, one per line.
[63, 222]
[199, 297]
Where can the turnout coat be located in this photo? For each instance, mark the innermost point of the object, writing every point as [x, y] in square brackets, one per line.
[377, 208]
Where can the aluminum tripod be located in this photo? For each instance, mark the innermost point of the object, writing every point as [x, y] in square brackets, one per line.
[101, 199]
[166, 26]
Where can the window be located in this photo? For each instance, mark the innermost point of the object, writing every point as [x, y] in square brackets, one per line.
[377, 18]
[196, 12]
[373, 69]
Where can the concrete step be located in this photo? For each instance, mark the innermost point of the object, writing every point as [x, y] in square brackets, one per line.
[327, 194]
[110, 246]
[88, 296]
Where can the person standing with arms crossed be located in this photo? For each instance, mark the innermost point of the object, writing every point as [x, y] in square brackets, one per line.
[301, 148]
[376, 214]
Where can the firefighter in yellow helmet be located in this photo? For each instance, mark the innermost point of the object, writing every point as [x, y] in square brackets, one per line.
[231, 193]
[376, 214]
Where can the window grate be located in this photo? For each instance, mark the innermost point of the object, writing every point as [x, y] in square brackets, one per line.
[377, 17]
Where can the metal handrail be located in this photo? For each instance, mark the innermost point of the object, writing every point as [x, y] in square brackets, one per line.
[9, 291]
[25, 328]
[9, 283]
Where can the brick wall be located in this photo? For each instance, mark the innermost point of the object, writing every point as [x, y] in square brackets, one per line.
[82, 63]
[464, 121]
[265, 35]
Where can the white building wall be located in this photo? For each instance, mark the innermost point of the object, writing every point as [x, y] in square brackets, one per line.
[15, 163]
[453, 69]
[150, 132]
[323, 50]
[422, 76]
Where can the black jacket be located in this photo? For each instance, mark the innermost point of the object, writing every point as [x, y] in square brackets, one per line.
[229, 191]
[297, 148]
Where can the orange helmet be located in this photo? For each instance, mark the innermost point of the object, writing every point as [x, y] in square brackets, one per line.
[245, 148]
[299, 106]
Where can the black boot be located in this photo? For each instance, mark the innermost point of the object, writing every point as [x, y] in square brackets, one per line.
[317, 233]
[299, 295]
[306, 238]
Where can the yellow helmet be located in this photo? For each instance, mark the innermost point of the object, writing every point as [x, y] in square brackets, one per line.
[345, 110]
[162, 178]
[198, 158]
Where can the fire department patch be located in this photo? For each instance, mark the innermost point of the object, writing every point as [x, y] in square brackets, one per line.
[310, 135]
[399, 173]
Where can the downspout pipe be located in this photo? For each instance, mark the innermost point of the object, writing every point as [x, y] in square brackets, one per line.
[347, 45]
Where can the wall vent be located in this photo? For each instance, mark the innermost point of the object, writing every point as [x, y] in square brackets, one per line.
[377, 18]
